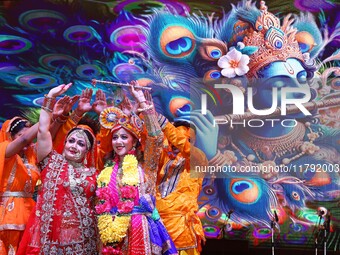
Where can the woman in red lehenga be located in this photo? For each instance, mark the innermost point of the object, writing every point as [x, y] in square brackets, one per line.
[64, 220]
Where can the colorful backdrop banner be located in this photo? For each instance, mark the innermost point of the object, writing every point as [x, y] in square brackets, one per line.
[259, 80]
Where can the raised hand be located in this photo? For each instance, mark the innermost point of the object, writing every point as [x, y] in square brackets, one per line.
[84, 104]
[148, 97]
[127, 107]
[69, 106]
[100, 102]
[59, 90]
[137, 93]
[63, 106]
[49, 107]
[60, 105]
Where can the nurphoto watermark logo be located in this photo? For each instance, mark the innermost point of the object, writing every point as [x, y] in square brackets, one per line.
[284, 101]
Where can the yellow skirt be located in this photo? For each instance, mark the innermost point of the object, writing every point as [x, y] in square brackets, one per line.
[189, 252]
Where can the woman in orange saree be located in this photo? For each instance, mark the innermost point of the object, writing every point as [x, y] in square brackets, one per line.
[18, 176]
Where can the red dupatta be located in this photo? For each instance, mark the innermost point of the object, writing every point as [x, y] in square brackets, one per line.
[64, 219]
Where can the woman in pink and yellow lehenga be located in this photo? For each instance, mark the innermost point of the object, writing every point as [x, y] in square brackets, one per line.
[128, 221]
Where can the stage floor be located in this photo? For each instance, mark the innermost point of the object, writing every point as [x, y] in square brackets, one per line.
[241, 247]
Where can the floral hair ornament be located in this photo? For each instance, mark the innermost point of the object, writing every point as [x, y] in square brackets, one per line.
[234, 63]
[113, 118]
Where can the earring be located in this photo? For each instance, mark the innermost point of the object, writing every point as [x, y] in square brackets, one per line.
[85, 161]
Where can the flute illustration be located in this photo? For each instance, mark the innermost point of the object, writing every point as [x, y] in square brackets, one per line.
[94, 82]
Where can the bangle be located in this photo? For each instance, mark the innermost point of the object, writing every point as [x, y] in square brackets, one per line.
[60, 120]
[48, 103]
[75, 117]
[46, 109]
[149, 107]
[162, 121]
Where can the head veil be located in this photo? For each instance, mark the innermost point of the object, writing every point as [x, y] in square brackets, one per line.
[91, 156]
[5, 139]
[5, 134]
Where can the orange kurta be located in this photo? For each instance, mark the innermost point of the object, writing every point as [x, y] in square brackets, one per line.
[177, 205]
[17, 181]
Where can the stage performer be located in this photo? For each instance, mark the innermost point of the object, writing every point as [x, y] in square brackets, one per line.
[63, 221]
[18, 176]
[178, 186]
[128, 221]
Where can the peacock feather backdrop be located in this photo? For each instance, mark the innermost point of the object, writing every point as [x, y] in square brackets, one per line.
[175, 47]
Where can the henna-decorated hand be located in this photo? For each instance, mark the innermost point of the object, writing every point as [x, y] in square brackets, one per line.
[84, 104]
[69, 106]
[60, 106]
[63, 106]
[137, 93]
[100, 103]
[127, 107]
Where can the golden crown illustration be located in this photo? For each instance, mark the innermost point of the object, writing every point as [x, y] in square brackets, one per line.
[274, 42]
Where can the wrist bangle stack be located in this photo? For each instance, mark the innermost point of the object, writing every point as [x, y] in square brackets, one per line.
[48, 103]
[149, 107]
[46, 109]
[61, 119]
[162, 121]
[75, 117]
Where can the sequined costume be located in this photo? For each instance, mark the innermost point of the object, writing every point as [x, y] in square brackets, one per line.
[18, 176]
[63, 220]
